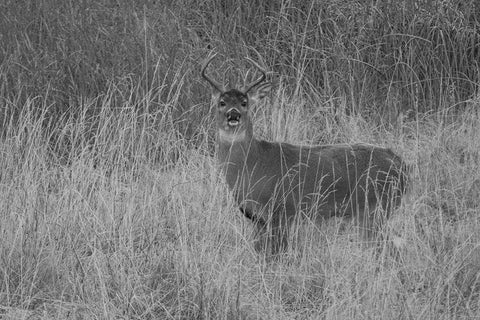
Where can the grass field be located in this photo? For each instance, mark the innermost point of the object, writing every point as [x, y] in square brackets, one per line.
[112, 206]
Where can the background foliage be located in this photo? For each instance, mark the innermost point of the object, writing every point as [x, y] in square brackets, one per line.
[402, 55]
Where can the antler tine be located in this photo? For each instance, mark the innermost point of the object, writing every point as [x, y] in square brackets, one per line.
[214, 84]
[257, 82]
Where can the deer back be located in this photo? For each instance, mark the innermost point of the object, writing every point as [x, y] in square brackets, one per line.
[328, 178]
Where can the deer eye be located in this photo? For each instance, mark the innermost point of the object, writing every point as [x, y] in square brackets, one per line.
[244, 103]
[222, 103]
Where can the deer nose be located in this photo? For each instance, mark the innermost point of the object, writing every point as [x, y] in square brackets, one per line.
[233, 114]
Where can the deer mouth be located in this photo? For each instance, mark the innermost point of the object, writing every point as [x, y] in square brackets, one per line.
[233, 123]
[233, 118]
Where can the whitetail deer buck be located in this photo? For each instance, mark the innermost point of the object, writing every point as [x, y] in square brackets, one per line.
[274, 183]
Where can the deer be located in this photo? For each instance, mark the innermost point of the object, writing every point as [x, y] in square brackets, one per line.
[275, 183]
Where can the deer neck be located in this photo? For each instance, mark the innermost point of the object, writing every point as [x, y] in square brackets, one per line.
[236, 148]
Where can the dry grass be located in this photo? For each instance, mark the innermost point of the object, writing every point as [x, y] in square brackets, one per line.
[112, 205]
[126, 237]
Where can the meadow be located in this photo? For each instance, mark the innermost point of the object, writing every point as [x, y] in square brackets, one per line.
[112, 204]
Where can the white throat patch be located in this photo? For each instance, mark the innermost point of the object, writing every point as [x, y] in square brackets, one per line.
[231, 137]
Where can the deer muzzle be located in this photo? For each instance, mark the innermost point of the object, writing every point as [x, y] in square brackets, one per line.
[233, 117]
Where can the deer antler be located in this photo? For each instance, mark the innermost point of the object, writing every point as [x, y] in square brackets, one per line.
[257, 82]
[214, 84]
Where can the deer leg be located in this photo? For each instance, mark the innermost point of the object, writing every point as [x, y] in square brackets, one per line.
[366, 222]
[372, 220]
[261, 241]
[248, 213]
[271, 236]
[279, 239]
[279, 231]
[261, 233]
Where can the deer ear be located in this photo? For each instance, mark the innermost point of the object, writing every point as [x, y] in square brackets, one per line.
[260, 92]
[215, 95]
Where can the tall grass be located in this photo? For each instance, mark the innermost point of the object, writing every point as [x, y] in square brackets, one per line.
[112, 205]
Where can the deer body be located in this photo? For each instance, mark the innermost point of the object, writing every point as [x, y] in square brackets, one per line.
[333, 180]
[274, 183]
